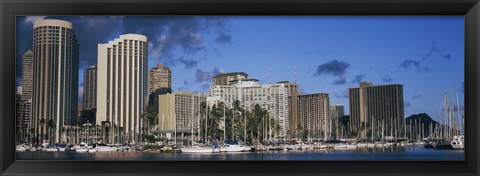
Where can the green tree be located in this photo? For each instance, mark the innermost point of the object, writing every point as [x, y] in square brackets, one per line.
[50, 126]
[104, 127]
[42, 126]
[236, 117]
[216, 114]
[148, 117]
[257, 122]
[300, 131]
[275, 127]
[203, 125]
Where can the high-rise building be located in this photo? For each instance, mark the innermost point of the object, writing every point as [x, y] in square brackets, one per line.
[55, 78]
[272, 97]
[27, 75]
[337, 111]
[313, 116]
[23, 117]
[225, 78]
[90, 88]
[336, 114]
[122, 83]
[376, 107]
[159, 82]
[180, 111]
[292, 89]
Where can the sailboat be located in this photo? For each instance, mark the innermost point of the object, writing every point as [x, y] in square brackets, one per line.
[199, 149]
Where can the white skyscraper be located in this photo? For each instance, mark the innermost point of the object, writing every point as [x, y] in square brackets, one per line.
[27, 75]
[55, 79]
[122, 83]
[272, 97]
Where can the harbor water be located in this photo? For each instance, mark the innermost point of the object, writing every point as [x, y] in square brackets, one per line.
[408, 153]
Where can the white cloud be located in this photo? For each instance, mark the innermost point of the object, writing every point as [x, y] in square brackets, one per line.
[33, 19]
[80, 93]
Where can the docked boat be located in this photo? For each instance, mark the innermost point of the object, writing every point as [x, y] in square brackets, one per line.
[82, 148]
[198, 149]
[458, 142]
[351, 146]
[20, 148]
[106, 148]
[61, 147]
[442, 144]
[340, 146]
[391, 143]
[51, 148]
[92, 149]
[362, 144]
[233, 146]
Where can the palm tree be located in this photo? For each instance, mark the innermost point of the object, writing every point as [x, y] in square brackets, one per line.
[236, 107]
[275, 127]
[148, 118]
[299, 131]
[50, 125]
[42, 125]
[362, 128]
[31, 132]
[213, 121]
[104, 129]
[257, 122]
[203, 126]
[62, 130]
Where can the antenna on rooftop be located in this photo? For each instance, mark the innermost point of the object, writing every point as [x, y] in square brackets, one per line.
[270, 74]
[295, 73]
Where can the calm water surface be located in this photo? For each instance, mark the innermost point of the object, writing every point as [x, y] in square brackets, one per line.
[392, 153]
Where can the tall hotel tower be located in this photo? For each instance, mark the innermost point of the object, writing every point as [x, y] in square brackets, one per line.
[122, 83]
[376, 107]
[159, 83]
[55, 82]
[313, 115]
[90, 88]
[27, 75]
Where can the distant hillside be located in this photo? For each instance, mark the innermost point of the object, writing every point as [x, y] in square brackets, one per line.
[422, 118]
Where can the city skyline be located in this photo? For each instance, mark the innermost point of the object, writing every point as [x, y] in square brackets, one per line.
[328, 57]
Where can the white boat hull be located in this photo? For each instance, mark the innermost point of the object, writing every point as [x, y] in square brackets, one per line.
[339, 146]
[107, 149]
[51, 150]
[232, 148]
[198, 150]
[81, 150]
[351, 146]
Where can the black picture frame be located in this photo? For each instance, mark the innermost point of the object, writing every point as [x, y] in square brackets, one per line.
[9, 9]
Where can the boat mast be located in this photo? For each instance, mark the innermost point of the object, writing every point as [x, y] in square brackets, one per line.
[174, 126]
[206, 120]
[371, 121]
[452, 116]
[459, 116]
[245, 123]
[198, 118]
[191, 119]
[224, 123]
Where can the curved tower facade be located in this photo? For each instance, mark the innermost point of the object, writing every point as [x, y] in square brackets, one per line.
[122, 85]
[55, 82]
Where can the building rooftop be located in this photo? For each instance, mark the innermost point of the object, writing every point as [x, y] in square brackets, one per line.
[246, 79]
[370, 84]
[230, 74]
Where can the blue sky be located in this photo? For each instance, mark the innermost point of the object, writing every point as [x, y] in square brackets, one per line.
[328, 53]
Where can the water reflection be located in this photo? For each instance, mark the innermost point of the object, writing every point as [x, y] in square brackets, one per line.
[387, 153]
